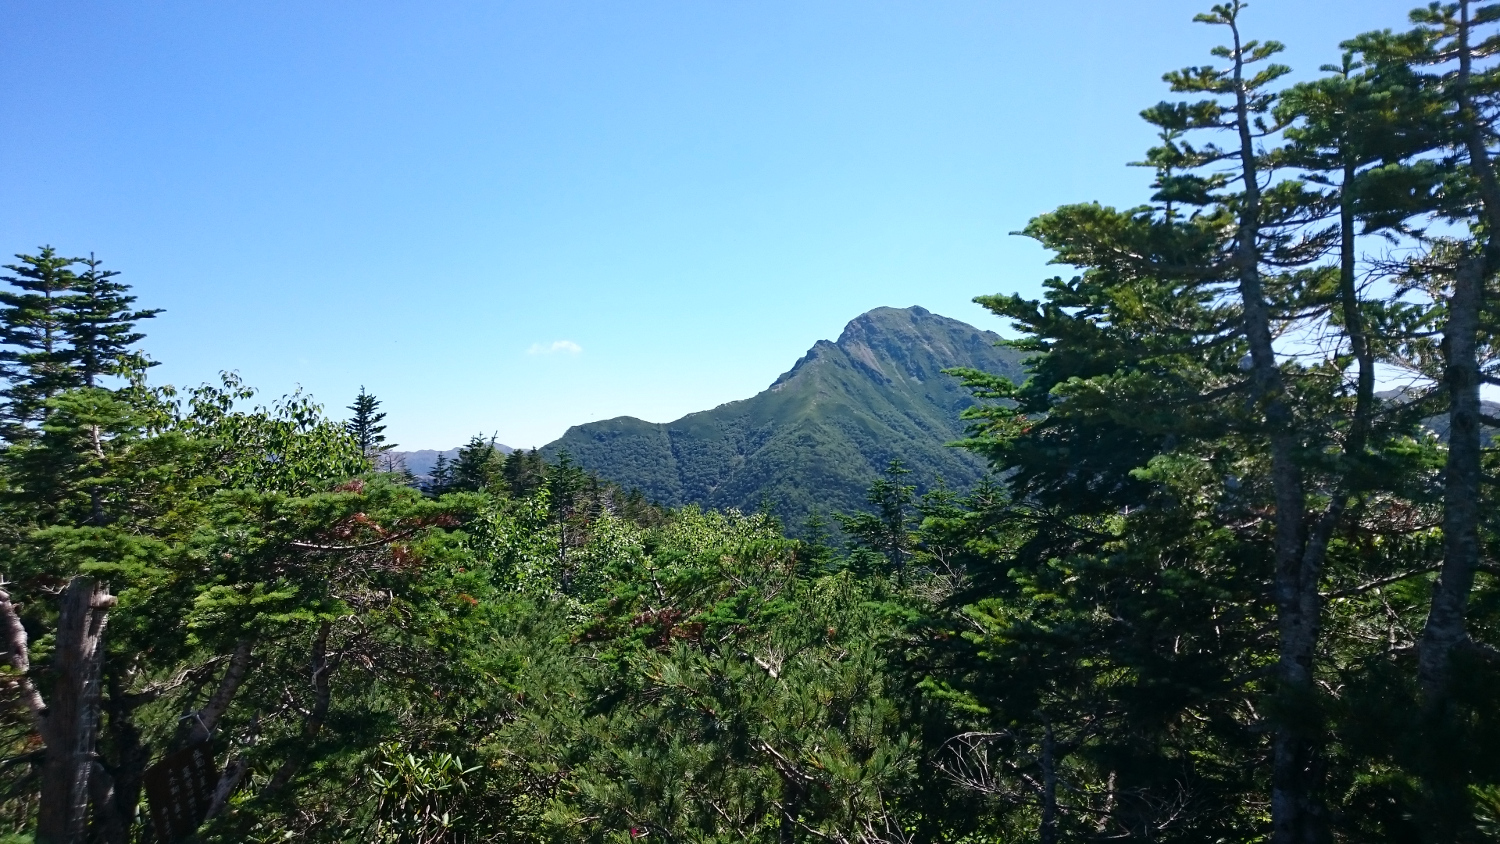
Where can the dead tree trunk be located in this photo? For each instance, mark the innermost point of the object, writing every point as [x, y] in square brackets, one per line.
[72, 716]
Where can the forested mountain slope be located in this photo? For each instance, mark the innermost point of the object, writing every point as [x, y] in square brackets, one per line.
[816, 438]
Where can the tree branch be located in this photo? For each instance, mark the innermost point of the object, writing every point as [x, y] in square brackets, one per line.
[20, 661]
[239, 665]
[1379, 582]
[364, 546]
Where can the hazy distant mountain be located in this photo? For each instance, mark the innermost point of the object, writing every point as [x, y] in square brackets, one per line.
[421, 462]
[1439, 424]
[817, 437]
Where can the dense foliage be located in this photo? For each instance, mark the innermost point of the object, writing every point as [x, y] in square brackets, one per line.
[1217, 587]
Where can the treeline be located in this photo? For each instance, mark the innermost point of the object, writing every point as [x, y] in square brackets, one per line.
[232, 602]
[1226, 583]
[1246, 594]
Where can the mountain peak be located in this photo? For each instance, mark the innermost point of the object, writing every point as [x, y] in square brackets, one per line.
[912, 343]
[822, 432]
[890, 319]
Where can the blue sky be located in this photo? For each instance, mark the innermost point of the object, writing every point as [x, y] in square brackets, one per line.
[513, 217]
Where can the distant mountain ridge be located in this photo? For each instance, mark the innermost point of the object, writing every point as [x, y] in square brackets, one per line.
[819, 435]
[420, 462]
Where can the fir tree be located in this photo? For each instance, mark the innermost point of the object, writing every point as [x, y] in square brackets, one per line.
[33, 328]
[365, 425]
[566, 483]
[815, 554]
[1268, 236]
[1446, 63]
[440, 479]
[524, 472]
[100, 325]
[887, 531]
[478, 466]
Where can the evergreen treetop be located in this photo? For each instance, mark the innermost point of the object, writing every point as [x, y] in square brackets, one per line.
[365, 425]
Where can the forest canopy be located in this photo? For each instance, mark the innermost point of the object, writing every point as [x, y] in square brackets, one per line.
[1232, 577]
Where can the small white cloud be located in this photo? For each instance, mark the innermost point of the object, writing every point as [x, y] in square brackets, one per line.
[554, 347]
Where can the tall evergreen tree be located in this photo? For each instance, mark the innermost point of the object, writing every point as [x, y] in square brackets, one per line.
[815, 555]
[1270, 236]
[524, 472]
[33, 328]
[365, 425]
[99, 322]
[1448, 59]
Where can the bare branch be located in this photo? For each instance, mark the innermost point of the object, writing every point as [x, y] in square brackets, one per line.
[1379, 582]
[364, 546]
[20, 662]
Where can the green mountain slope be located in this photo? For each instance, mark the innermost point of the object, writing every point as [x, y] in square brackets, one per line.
[815, 439]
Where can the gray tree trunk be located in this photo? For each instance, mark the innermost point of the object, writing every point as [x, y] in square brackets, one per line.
[202, 723]
[1297, 571]
[1445, 630]
[72, 714]
[1446, 633]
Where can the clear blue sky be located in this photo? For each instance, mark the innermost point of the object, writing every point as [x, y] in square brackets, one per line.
[515, 217]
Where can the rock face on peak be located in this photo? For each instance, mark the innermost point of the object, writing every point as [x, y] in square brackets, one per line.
[820, 434]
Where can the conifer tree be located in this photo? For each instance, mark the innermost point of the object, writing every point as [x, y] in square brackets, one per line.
[815, 555]
[1161, 398]
[478, 466]
[1447, 61]
[440, 479]
[887, 531]
[524, 472]
[365, 425]
[1269, 234]
[33, 328]
[100, 325]
[566, 483]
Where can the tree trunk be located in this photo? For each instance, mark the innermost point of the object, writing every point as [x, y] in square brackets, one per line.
[234, 772]
[132, 756]
[1445, 630]
[322, 671]
[1048, 831]
[72, 715]
[1298, 814]
[109, 824]
[204, 721]
[1295, 587]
